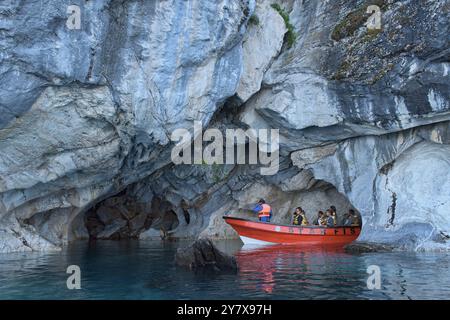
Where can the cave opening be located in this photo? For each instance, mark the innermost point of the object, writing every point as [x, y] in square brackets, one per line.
[124, 217]
[139, 213]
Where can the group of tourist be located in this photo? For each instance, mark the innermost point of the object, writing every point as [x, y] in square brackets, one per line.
[327, 219]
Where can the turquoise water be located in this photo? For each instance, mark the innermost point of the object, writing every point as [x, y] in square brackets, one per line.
[145, 270]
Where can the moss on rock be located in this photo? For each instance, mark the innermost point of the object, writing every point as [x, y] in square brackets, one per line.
[354, 20]
[290, 34]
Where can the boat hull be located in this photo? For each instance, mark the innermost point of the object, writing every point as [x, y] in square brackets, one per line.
[263, 233]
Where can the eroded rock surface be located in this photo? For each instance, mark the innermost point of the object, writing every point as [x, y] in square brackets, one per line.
[365, 247]
[203, 256]
[86, 117]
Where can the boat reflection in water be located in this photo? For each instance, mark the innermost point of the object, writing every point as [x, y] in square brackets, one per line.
[315, 269]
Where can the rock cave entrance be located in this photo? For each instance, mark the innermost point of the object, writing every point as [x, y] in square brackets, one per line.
[123, 217]
[131, 214]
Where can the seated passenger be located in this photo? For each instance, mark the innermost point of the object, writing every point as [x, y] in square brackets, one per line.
[297, 218]
[334, 214]
[348, 218]
[330, 218]
[356, 221]
[304, 221]
[319, 220]
[323, 221]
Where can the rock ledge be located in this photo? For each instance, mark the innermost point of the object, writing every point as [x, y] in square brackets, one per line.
[202, 255]
[364, 247]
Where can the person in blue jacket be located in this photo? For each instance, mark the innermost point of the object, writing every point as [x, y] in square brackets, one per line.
[263, 210]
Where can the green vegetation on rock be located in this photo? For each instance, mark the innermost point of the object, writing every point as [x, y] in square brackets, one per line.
[254, 19]
[290, 34]
[354, 20]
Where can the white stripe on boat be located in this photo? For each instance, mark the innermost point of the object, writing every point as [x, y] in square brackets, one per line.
[255, 242]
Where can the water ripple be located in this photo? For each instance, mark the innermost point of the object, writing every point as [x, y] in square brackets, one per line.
[145, 270]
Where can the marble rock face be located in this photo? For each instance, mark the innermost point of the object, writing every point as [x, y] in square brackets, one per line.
[203, 256]
[86, 117]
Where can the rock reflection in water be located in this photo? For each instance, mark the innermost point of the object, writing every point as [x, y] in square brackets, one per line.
[146, 270]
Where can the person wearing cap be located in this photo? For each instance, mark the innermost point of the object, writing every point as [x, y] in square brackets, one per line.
[263, 210]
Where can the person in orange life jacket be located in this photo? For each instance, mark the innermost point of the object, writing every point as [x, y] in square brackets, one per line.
[263, 210]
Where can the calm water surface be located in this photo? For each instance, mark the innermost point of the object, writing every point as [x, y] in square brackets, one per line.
[145, 270]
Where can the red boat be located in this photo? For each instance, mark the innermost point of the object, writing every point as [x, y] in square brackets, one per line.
[256, 232]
